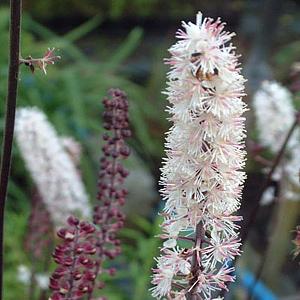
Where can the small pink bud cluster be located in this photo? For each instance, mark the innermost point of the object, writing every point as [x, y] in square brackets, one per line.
[107, 214]
[75, 256]
[51, 166]
[76, 277]
[112, 173]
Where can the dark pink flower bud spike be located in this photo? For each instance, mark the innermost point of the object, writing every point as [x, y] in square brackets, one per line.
[73, 278]
[108, 216]
[84, 246]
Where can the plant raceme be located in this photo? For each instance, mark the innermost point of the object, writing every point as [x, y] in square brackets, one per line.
[275, 114]
[201, 177]
[51, 167]
[85, 246]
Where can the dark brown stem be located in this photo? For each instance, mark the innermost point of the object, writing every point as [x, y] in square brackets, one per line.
[248, 225]
[263, 161]
[268, 180]
[196, 267]
[262, 261]
[13, 72]
[178, 285]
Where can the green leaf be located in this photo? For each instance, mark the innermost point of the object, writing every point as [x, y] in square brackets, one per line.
[83, 29]
[127, 47]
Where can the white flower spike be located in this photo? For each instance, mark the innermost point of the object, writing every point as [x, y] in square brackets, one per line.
[201, 177]
[51, 167]
[275, 114]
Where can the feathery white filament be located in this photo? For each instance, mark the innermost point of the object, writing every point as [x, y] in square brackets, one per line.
[201, 176]
[51, 168]
[275, 114]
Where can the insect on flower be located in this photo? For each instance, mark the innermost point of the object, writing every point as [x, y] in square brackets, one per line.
[196, 68]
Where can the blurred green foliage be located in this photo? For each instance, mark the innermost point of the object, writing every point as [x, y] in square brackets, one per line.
[71, 96]
[72, 91]
[134, 266]
[124, 8]
[15, 228]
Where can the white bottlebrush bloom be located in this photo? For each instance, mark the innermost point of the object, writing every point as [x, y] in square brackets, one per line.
[51, 167]
[201, 176]
[169, 264]
[275, 114]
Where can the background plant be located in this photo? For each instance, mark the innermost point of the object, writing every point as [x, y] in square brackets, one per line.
[102, 52]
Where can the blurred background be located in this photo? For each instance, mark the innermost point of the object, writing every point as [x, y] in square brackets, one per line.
[122, 43]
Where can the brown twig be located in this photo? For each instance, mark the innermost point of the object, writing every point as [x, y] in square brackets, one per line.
[268, 180]
[248, 225]
[13, 72]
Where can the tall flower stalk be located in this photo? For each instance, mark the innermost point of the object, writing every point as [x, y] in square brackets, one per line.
[108, 217]
[278, 123]
[86, 247]
[275, 114]
[201, 176]
[52, 168]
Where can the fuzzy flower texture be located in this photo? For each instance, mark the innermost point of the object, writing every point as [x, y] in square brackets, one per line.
[201, 176]
[275, 114]
[51, 167]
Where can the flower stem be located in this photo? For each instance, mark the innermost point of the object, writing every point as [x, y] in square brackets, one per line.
[15, 25]
[268, 180]
[248, 224]
[196, 264]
